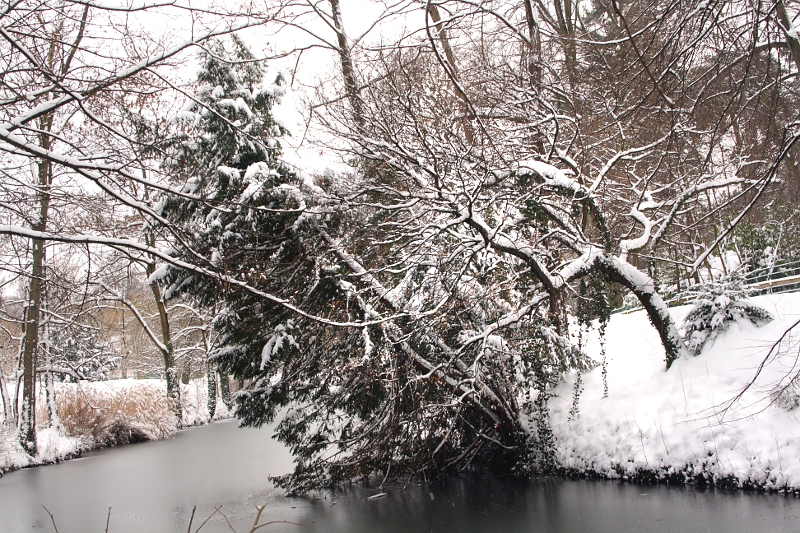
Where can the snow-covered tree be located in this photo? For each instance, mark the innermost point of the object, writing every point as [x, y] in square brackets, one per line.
[483, 189]
[400, 340]
[80, 353]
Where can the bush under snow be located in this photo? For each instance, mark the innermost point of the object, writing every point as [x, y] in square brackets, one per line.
[721, 305]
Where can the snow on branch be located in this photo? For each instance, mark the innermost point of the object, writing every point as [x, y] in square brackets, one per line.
[135, 245]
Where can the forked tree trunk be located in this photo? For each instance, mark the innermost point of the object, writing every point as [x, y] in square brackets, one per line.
[30, 342]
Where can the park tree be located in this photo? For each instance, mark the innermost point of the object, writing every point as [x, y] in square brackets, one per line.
[58, 71]
[414, 311]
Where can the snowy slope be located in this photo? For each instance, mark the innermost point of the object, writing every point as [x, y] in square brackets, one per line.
[672, 422]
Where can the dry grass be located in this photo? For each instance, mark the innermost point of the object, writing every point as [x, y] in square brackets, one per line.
[111, 416]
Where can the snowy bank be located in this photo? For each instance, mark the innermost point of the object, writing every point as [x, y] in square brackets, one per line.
[658, 424]
[107, 413]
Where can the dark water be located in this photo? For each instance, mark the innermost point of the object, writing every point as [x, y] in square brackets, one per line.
[152, 487]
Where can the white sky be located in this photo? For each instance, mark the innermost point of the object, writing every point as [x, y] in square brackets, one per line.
[318, 67]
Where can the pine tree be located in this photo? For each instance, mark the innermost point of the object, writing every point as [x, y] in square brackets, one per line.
[239, 205]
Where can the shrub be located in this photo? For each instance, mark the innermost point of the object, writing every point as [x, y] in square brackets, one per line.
[718, 305]
[106, 416]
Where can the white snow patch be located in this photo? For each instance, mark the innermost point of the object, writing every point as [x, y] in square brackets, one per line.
[553, 176]
[276, 341]
[671, 422]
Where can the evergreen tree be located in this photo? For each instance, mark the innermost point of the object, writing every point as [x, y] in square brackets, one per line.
[239, 207]
[432, 383]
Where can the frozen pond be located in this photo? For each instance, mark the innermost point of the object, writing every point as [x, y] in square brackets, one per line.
[152, 487]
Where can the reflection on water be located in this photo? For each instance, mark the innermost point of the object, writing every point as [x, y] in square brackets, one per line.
[152, 487]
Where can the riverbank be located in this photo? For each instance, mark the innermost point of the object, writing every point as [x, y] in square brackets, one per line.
[154, 487]
[679, 425]
[95, 415]
[693, 423]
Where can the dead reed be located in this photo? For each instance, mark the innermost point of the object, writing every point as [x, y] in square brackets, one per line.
[110, 416]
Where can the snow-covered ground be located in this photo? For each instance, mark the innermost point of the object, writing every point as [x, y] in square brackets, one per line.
[56, 445]
[674, 422]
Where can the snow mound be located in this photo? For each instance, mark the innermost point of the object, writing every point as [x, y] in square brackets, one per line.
[686, 424]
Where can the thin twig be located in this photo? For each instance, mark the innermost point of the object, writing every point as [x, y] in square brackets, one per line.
[52, 518]
[108, 519]
[191, 519]
[258, 516]
[207, 519]
[281, 522]
[226, 520]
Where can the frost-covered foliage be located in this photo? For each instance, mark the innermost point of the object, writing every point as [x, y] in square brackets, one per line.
[789, 397]
[80, 353]
[718, 306]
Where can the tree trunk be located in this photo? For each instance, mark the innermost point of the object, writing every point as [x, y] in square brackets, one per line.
[564, 14]
[45, 348]
[211, 374]
[643, 287]
[30, 352]
[52, 407]
[30, 346]
[535, 49]
[792, 39]
[9, 416]
[168, 352]
[348, 71]
[469, 132]
[212, 390]
[225, 389]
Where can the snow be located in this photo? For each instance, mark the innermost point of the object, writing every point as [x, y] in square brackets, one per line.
[653, 421]
[718, 267]
[673, 422]
[552, 175]
[158, 275]
[275, 343]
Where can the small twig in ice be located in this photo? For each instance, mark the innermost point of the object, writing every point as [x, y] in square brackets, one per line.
[191, 519]
[226, 520]
[52, 518]
[281, 522]
[207, 519]
[258, 516]
[108, 519]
